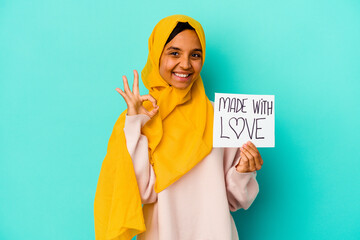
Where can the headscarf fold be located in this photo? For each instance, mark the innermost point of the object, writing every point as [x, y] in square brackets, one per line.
[179, 137]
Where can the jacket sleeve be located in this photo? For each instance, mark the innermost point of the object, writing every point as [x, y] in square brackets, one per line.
[242, 188]
[137, 145]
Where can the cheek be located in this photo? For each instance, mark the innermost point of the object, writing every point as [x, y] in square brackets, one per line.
[197, 66]
[166, 66]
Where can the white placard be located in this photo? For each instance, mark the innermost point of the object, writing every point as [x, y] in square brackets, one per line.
[239, 118]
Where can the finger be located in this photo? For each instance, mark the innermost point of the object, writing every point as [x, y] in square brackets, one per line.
[136, 83]
[150, 98]
[255, 155]
[250, 149]
[257, 163]
[255, 152]
[250, 144]
[261, 162]
[153, 112]
[150, 113]
[244, 161]
[243, 165]
[252, 166]
[126, 86]
[126, 98]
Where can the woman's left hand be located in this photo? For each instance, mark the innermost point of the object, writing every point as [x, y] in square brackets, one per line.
[250, 158]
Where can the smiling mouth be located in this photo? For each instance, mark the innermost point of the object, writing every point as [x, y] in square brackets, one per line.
[182, 75]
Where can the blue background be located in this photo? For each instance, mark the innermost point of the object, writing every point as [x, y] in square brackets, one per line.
[60, 62]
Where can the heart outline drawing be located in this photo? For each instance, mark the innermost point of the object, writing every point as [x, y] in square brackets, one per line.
[237, 124]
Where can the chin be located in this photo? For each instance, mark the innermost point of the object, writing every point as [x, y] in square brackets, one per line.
[180, 85]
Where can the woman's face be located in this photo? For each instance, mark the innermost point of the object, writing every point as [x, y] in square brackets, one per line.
[181, 59]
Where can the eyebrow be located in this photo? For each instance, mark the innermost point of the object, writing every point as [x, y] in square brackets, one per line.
[178, 49]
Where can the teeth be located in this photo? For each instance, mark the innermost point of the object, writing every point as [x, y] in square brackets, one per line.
[182, 75]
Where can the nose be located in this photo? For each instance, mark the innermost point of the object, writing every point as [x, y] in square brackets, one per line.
[185, 63]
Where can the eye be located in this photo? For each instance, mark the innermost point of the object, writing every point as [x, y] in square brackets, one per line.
[174, 53]
[196, 55]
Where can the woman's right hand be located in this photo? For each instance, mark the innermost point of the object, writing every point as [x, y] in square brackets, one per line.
[134, 100]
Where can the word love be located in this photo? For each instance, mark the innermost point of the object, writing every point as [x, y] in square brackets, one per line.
[239, 124]
[239, 118]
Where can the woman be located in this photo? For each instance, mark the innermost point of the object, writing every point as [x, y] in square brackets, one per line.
[160, 153]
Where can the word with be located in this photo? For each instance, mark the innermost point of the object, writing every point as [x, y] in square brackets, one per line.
[263, 106]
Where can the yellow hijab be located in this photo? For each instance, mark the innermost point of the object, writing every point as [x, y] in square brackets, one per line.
[179, 136]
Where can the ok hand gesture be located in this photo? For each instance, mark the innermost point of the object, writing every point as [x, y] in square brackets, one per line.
[134, 100]
[250, 158]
